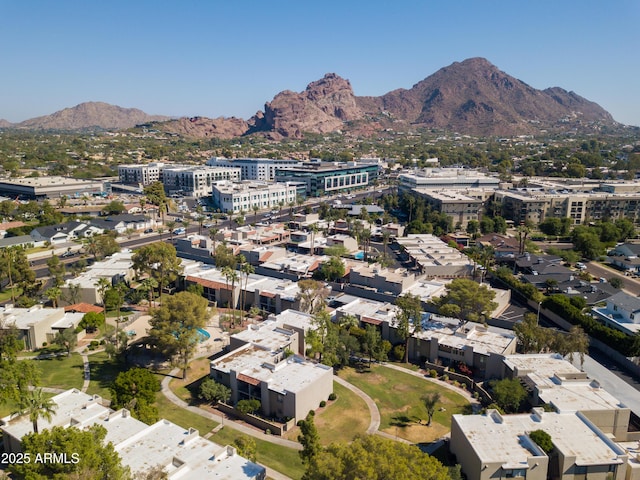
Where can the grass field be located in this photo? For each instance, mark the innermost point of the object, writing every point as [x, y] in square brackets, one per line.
[283, 459]
[11, 407]
[103, 373]
[340, 420]
[399, 395]
[61, 372]
[182, 417]
[188, 389]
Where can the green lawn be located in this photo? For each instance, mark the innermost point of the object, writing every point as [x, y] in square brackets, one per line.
[282, 459]
[61, 372]
[103, 373]
[341, 419]
[182, 417]
[398, 396]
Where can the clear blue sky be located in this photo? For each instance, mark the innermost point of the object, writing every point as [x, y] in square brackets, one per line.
[227, 58]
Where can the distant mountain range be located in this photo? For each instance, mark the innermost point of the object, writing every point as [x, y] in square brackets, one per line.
[472, 97]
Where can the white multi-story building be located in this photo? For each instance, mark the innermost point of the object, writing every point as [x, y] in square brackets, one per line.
[140, 174]
[236, 197]
[196, 181]
[255, 168]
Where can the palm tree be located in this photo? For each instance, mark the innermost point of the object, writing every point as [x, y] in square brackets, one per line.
[171, 225]
[148, 285]
[35, 404]
[212, 235]
[53, 294]
[247, 269]
[366, 240]
[9, 255]
[299, 201]
[430, 402]
[231, 276]
[280, 205]
[255, 209]
[291, 205]
[103, 284]
[314, 229]
[185, 225]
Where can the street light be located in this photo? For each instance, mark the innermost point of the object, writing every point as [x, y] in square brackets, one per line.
[538, 319]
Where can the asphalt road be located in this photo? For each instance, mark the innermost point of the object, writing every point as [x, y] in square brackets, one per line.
[630, 285]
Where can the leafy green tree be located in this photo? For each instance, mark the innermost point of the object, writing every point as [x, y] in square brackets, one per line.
[587, 242]
[309, 439]
[36, 404]
[174, 326]
[508, 394]
[312, 295]
[224, 257]
[67, 339]
[135, 389]
[214, 392]
[248, 406]
[246, 447]
[430, 401]
[374, 458]
[616, 282]
[95, 459]
[467, 300]
[115, 207]
[333, 269]
[57, 270]
[14, 267]
[91, 321]
[159, 260]
[373, 345]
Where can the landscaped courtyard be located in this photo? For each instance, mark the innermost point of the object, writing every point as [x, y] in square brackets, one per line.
[398, 396]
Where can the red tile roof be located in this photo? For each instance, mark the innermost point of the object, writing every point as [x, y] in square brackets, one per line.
[83, 308]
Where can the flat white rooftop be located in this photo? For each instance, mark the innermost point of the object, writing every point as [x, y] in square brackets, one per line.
[482, 339]
[292, 374]
[539, 369]
[23, 318]
[268, 334]
[295, 319]
[498, 438]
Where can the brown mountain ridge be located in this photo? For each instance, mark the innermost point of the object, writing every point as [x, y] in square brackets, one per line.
[472, 97]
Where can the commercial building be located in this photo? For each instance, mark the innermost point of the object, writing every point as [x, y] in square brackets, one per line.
[140, 174]
[536, 205]
[242, 197]
[459, 205]
[496, 446]
[177, 452]
[196, 181]
[263, 169]
[449, 178]
[40, 188]
[323, 178]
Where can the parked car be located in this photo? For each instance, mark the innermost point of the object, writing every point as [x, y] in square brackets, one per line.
[149, 230]
[179, 231]
[68, 253]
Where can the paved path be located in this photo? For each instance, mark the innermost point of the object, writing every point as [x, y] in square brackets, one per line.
[87, 372]
[374, 424]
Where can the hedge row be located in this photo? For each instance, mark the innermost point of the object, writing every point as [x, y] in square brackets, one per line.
[561, 305]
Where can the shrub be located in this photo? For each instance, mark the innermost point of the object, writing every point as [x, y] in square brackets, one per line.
[332, 396]
[398, 352]
[323, 404]
[445, 378]
[312, 413]
[542, 439]
[94, 343]
[433, 373]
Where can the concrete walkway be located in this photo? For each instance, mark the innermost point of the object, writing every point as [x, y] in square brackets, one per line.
[374, 424]
[87, 372]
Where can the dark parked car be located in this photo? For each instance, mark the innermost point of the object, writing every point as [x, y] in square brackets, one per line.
[149, 230]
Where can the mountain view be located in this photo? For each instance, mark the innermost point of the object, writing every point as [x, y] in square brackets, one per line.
[472, 96]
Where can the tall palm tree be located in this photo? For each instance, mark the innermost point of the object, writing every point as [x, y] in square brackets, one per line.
[35, 404]
[255, 209]
[148, 285]
[171, 225]
[365, 235]
[185, 225]
[247, 269]
[103, 284]
[231, 276]
[314, 229]
[280, 205]
[291, 205]
[212, 235]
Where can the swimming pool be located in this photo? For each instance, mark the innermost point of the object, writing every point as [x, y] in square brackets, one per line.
[203, 335]
[359, 255]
